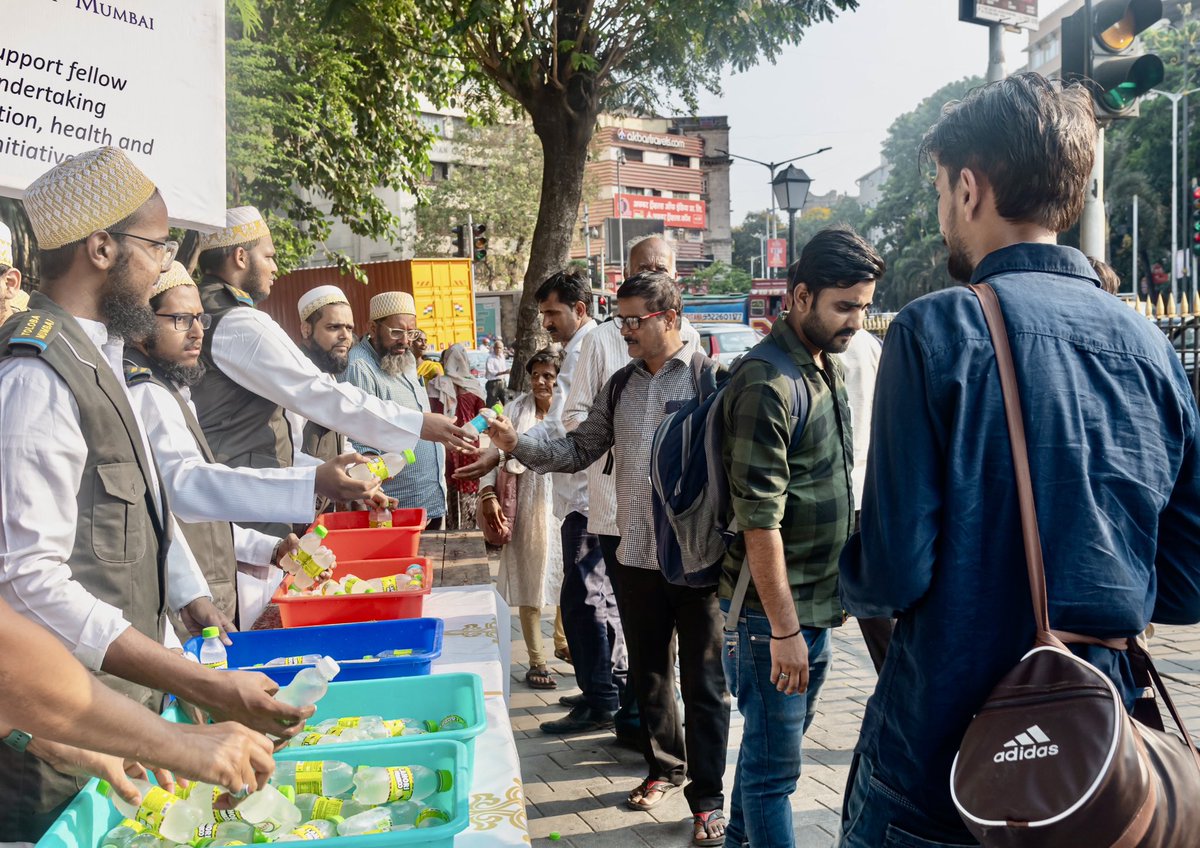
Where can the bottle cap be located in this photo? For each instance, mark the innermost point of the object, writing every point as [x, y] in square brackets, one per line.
[210, 632]
[498, 408]
[259, 837]
[410, 457]
[432, 727]
[320, 531]
[104, 788]
[288, 792]
[336, 820]
[328, 667]
[445, 780]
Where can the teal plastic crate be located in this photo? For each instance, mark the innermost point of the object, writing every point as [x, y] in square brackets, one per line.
[90, 816]
[432, 697]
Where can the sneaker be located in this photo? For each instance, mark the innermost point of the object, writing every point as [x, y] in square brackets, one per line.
[580, 719]
[573, 700]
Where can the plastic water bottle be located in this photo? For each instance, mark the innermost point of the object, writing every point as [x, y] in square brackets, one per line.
[212, 650]
[224, 833]
[269, 809]
[453, 722]
[342, 735]
[318, 777]
[408, 815]
[162, 812]
[307, 563]
[324, 807]
[409, 727]
[382, 467]
[372, 821]
[315, 829]
[201, 796]
[310, 685]
[399, 783]
[416, 573]
[480, 423]
[395, 652]
[355, 585]
[307, 659]
[121, 835]
[150, 840]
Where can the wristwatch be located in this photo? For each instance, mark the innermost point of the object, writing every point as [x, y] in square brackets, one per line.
[18, 740]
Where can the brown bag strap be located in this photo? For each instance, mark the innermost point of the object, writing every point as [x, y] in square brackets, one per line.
[1029, 523]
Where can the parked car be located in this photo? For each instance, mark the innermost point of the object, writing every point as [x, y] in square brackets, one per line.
[727, 342]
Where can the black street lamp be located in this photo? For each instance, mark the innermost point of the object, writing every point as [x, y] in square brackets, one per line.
[791, 191]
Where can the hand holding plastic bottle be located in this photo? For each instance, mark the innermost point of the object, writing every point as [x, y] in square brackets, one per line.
[503, 433]
[334, 481]
[247, 697]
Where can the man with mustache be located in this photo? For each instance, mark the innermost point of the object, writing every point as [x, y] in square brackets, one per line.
[160, 372]
[326, 336]
[381, 365]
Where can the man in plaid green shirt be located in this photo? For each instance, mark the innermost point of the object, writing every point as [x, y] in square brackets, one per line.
[792, 499]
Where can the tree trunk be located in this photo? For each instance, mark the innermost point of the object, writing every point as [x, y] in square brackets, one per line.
[565, 133]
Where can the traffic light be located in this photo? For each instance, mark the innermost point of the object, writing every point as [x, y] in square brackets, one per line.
[1112, 63]
[460, 240]
[479, 232]
[1195, 218]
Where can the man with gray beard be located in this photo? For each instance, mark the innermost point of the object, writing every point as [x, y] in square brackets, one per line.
[381, 364]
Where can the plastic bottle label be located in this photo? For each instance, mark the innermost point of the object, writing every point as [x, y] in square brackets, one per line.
[217, 664]
[234, 815]
[310, 777]
[324, 808]
[389, 584]
[453, 722]
[400, 783]
[206, 831]
[311, 739]
[349, 721]
[394, 726]
[431, 814]
[337, 731]
[309, 831]
[349, 582]
[155, 806]
[130, 824]
[305, 560]
[378, 467]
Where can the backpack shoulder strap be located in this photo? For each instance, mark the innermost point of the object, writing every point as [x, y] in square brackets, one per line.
[705, 374]
[768, 351]
[616, 385]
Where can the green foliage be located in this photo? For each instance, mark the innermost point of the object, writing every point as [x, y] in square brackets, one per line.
[497, 184]
[845, 210]
[720, 279]
[747, 240]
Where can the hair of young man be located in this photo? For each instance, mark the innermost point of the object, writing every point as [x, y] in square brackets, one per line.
[570, 287]
[212, 261]
[659, 290]
[544, 357]
[836, 256]
[57, 263]
[1031, 139]
[1109, 281]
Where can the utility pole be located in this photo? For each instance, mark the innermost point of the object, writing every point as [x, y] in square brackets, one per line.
[620, 217]
[995, 71]
[1134, 272]
[1091, 223]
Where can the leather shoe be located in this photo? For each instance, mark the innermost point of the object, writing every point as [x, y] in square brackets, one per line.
[573, 700]
[579, 720]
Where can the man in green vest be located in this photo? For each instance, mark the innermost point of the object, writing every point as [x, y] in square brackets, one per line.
[85, 526]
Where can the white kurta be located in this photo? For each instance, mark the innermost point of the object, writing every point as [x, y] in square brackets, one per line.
[255, 352]
[43, 452]
[860, 365]
[531, 563]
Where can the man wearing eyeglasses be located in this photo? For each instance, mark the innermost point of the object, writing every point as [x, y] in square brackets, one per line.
[382, 365]
[205, 495]
[88, 544]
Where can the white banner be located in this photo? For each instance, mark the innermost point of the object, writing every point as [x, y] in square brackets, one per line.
[147, 76]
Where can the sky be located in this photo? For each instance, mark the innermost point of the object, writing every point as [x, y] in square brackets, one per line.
[842, 87]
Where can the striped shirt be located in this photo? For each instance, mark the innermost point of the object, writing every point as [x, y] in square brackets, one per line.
[423, 485]
[628, 432]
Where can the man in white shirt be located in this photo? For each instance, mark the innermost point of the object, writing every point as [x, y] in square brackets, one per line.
[255, 371]
[85, 527]
[206, 495]
[10, 277]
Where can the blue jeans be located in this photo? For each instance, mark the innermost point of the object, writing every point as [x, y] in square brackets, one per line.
[768, 766]
[876, 816]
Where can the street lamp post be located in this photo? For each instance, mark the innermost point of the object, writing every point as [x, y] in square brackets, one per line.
[620, 217]
[1174, 98]
[772, 167]
[791, 190]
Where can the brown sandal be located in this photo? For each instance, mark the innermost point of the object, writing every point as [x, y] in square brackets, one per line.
[541, 678]
[702, 828]
[639, 798]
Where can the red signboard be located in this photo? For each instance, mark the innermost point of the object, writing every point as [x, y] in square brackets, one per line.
[776, 253]
[672, 211]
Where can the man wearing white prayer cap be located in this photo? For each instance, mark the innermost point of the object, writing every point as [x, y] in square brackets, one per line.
[382, 365]
[256, 372]
[10, 277]
[327, 334]
[88, 546]
[206, 495]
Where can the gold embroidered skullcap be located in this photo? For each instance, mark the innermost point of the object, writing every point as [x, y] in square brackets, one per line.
[386, 304]
[242, 224]
[177, 275]
[20, 301]
[6, 257]
[318, 298]
[84, 194]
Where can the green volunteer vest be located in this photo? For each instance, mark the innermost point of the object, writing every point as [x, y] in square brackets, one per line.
[121, 541]
[210, 541]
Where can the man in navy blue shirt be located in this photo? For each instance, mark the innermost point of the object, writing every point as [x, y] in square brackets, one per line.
[1112, 427]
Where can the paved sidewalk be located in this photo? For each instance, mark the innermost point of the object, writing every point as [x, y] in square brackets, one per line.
[576, 785]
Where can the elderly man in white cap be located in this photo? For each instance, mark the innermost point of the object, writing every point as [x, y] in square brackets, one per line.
[88, 545]
[326, 335]
[205, 495]
[256, 371]
[10, 277]
[382, 365]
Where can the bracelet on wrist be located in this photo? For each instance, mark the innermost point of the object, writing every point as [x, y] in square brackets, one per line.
[789, 636]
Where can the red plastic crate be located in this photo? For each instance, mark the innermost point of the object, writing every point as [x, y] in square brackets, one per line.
[301, 611]
[351, 538]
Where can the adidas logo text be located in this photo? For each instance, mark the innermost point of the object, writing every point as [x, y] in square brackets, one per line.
[1030, 745]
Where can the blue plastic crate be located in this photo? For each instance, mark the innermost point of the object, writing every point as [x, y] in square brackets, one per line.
[431, 697]
[90, 816]
[342, 642]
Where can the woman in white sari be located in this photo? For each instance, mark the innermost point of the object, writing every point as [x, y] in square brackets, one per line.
[531, 563]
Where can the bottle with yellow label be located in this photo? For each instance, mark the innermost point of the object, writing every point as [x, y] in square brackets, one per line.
[324, 807]
[310, 560]
[121, 835]
[318, 777]
[376, 785]
[315, 829]
[161, 812]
